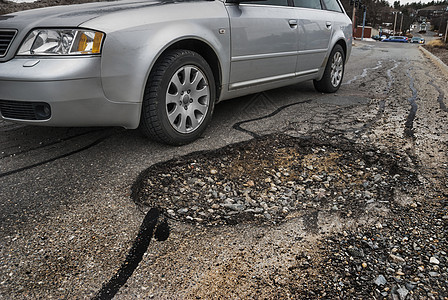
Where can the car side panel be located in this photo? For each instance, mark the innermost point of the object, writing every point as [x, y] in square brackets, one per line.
[135, 41]
[342, 33]
[315, 31]
[264, 44]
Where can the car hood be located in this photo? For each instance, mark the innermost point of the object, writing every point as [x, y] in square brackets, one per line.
[71, 15]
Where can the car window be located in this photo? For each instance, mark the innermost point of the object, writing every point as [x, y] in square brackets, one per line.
[268, 2]
[308, 4]
[332, 5]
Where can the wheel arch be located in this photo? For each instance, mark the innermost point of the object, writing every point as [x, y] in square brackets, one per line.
[325, 82]
[203, 49]
[343, 44]
[172, 122]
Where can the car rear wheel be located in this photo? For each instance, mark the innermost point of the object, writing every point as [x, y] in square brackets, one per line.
[179, 98]
[334, 72]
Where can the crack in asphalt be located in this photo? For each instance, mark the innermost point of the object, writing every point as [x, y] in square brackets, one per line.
[357, 131]
[134, 257]
[382, 103]
[237, 126]
[60, 140]
[96, 142]
[409, 124]
[390, 76]
[364, 73]
[380, 112]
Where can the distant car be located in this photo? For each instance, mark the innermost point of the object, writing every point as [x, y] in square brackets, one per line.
[418, 40]
[396, 39]
[161, 65]
[379, 37]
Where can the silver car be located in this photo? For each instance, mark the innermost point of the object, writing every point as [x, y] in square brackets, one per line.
[162, 65]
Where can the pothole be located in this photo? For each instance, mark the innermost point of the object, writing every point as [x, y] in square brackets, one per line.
[265, 180]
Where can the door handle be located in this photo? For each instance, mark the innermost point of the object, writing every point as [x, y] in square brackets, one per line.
[328, 24]
[292, 23]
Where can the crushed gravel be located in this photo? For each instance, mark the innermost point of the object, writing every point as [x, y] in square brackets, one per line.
[264, 180]
[271, 179]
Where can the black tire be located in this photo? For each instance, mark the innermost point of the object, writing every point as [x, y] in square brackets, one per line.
[176, 109]
[334, 72]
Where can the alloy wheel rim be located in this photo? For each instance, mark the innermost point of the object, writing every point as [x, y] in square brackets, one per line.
[187, 99]
[337, 69]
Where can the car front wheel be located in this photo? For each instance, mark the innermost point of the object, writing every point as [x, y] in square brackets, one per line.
[179, 98]
[334, 72]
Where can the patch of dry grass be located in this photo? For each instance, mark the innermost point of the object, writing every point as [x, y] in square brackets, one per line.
[436, 44]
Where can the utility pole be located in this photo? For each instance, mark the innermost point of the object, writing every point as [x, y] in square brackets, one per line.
[354, 16]
[395, 21]
[401, 24]
[363, 21]
[446, 30]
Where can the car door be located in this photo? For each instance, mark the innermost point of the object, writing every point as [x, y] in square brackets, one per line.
[315, 31]
[264, 42]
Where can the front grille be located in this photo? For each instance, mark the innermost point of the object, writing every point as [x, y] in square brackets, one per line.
[21, 110]
[6, 37]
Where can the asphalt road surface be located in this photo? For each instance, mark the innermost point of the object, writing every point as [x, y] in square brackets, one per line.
[71, 225]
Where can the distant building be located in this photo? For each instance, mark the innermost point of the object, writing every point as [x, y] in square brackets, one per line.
[368, 32]
[431, 12]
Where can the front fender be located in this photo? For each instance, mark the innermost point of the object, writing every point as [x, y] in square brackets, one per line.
[135, 40]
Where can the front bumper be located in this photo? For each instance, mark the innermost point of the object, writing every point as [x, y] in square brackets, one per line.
[72, 88]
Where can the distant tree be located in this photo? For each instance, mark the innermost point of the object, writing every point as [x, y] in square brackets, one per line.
[379, 12]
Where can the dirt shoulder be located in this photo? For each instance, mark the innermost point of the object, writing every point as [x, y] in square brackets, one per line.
[441, 53]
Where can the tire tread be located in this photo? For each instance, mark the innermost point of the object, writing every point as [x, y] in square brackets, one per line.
[150, 122]
[324, 85]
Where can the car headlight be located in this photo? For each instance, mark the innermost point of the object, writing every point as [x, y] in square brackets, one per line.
[62, 42]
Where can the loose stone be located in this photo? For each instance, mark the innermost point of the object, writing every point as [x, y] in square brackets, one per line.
[434, 260]
[402, 292]
[396, 259]
[380, 280]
